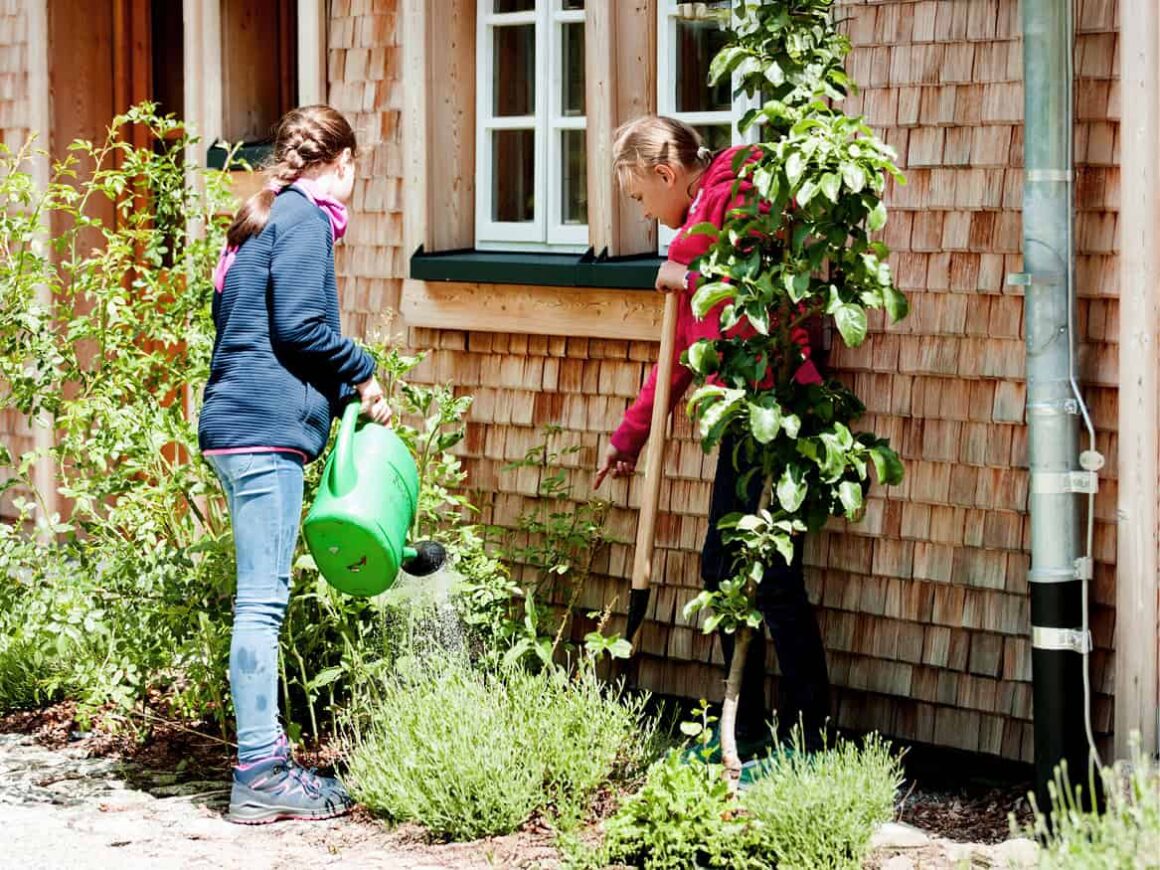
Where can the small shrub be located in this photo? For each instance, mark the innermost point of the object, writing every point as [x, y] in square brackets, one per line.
[813, 812]
[683, 817]
[819, 811]
[1126, 836]
[470, 754]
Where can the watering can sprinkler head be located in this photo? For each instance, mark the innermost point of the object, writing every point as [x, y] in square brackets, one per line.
[425, 559]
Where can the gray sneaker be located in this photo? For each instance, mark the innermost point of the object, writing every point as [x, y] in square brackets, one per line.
[278, 788]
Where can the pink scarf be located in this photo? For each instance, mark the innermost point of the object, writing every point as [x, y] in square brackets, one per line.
[334, 210]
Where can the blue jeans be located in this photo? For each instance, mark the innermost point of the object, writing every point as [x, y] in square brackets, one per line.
[264, 492]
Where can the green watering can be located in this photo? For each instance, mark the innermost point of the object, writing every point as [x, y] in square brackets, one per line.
[357, 527]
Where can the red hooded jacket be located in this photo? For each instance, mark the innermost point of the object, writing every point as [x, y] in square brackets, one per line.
[712, 201]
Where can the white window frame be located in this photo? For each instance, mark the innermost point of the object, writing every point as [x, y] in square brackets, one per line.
[668, 13]
[546, 231]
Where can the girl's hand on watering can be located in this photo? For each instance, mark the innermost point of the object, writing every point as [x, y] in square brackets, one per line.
[374, 403]
[614, 462]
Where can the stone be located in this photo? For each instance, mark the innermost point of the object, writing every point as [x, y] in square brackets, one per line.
[899, 835]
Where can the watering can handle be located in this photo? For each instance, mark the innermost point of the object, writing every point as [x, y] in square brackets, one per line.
[342, 471]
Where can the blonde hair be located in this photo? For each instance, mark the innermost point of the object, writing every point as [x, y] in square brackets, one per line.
[655, 140]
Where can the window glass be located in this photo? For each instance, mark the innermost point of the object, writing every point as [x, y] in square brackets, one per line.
[697, 44]
[513, 175]
[572, 100]
[514, 73]
[574, 172]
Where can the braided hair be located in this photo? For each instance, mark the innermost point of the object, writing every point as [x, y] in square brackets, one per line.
[305, 137]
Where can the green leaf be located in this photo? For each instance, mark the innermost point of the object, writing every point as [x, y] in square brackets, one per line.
[792, 424]
[897, 306]
[764, 422]
[708, 296]
[800, 286]
[791, 490]
[854, 176]
[720, 411]
[795, 165]
[806, 192]
[691, 729]
[887, 465]
[850, 494]
[703, 357]
[877, 217]
[725, 61]
[850, 319]
[831, 186]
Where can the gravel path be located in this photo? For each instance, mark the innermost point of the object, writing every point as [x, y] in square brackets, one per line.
[60, 810]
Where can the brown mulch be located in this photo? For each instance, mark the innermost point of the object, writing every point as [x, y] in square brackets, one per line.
[963, 797]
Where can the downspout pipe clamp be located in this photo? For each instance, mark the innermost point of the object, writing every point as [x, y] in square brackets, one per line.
[1061, 639]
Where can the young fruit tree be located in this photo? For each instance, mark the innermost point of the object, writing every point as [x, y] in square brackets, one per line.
[798, 246]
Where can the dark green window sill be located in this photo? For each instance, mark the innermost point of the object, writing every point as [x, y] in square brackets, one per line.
[545, 270]
[251, 156]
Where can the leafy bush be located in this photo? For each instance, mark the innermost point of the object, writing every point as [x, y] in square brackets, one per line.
[469, 753]
[684, 816]
[130, 596]
[1124, 837]
[805, 811]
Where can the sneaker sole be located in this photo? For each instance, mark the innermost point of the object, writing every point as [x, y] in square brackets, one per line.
[268, 815]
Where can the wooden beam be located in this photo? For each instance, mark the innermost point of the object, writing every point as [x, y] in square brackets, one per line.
[449, 84]
[39, 122]
[601, 101]
[414, 125]
[586, 313]
[203, 74]
[1137, 684]
[312, 35]
[636, 90]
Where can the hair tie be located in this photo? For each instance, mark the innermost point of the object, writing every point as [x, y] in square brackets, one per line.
[703, 153]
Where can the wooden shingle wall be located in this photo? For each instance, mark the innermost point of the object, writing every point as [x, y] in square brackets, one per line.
[363, 60]
[15, 122]
[927, 601]
[924, 606]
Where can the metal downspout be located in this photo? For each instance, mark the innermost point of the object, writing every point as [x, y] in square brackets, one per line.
[1060, 554]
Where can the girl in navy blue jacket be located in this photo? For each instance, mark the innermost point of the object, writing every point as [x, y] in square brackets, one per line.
[281, 371]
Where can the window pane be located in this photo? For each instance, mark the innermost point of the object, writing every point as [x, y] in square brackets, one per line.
[514, 73]
[574, 172]
[717, 136]
[514, 5]
[697, 43]
[513, 172]
[572, 100]
[572, 4]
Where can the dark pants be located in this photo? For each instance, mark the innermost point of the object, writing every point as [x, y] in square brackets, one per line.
[782, 600]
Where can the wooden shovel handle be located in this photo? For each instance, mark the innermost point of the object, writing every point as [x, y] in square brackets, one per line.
[655, 452]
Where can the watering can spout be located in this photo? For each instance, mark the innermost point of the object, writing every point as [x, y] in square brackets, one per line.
[425, 558]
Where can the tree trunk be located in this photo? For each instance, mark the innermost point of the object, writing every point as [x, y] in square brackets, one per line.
[729, 756]
[733, 683]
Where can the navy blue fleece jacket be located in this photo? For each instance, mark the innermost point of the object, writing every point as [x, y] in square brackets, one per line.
[281, 368]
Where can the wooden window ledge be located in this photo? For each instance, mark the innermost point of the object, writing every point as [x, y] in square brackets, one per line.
[538, 269]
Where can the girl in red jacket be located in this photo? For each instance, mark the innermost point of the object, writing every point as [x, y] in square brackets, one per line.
[662, 164]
